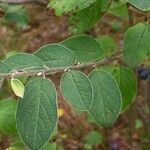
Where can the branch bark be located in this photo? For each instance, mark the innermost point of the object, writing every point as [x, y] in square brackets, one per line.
[50, 71]
[41, 2]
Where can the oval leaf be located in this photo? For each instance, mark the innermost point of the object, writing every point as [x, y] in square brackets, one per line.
[85, 48]
[7, 116]
[77, 90]
[24, 61]
[17, 87]
[127, 82]
[136, 44]
[55, 55]
[107, 98]
[143, 5]
[37, 113]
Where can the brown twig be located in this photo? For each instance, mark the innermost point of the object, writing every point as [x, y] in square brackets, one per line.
[49, 71]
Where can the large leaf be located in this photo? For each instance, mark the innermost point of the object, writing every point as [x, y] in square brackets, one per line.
[107, 98]
[80, 23]
[37, 113]
[55, 55]
[127, 82]
[7, 116]
[137, 44]
[24, 61]
[65, 6]
[77, 90]
[85, 48]
[143, 5]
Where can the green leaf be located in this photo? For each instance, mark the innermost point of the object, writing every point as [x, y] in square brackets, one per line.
[143, 5]
[65, 6]
[17, 15]
[77, 90]
[17, 145]
[7, 116]
[37, 113]
[4, 68]
[119, 9]
[110, 48]
[85, 48]
[138, 123]
[105, 4]
[17, 87]
[136, 44]
[127, 82]
[24, 61]
[107, 98]
[50, 146]
[80, 23]
[55, 55]
[93, 138]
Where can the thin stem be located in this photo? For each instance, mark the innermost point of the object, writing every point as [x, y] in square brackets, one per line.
[49, 71]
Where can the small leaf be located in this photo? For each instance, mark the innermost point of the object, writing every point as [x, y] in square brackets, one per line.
[55, 55]
[93, 138]
[17, 14]
[77, 90]
[107, 98]
[143, 5]
[85, 48]
[24, 61]
[138, 123]
[7, 116]
[80, 23]
[37, 113]
[119, 9]
[64, 6]
[17, 87]
[136, 44]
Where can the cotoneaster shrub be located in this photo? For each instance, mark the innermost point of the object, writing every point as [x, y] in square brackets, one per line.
[104, 94]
